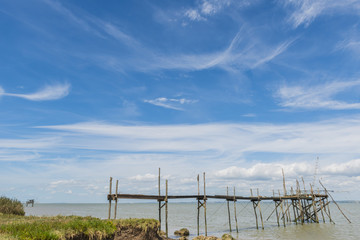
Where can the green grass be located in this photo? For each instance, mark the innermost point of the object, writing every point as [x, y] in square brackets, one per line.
[142, 223]
[65, 227]
[54, 228]
[11, 206]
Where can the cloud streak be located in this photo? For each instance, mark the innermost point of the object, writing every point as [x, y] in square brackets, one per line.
[241, 53]
[307, 10]
[49, 92]
[328, 137]
[317, 97]
[205, 9]
[171, 103]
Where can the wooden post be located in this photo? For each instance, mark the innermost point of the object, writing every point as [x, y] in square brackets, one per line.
[205, 206]
[254, 206]
[305, 210]
[276, 206]
[116, 198]
[199, 205]
[159, 186]
[285, 193]
[166, 210]
[293, 205]
[228, 207]
[328, 214]
[313, 204]
[258, 204]
[282, 209]
[321, 207]
[237, 228]
[110, 198]
[303, 184]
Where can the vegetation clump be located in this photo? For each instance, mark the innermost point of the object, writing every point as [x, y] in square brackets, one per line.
[201, 237]
[227, 236]
[182, 232]
[138, 229]
[11, 206]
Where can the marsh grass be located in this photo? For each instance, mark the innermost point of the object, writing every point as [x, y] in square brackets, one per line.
[143, 223]
[59, 227]
[11, 206]
[65, 227]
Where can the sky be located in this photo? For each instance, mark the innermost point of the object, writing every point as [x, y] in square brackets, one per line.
[238, 89]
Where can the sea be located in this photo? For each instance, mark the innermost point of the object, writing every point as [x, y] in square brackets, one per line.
[184, 215]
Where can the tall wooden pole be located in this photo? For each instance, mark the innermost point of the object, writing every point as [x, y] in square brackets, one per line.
[228, 207]
[159, 188]
[116, 198]
[326, 191]
[282, 209]
[285, 193]
[199, 205]
[205, 205]
[110, 198]
[254, 206]
[328, 214]
[276, 211]
[321, 207]
[293, 205]
[258, 204]
[302, 217]
[237, 228]
[166, 210]
[313, 204]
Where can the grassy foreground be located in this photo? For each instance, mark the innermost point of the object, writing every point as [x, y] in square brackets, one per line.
[64, 227]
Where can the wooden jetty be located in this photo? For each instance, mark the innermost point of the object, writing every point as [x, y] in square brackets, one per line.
[30, 202]
[298, 206]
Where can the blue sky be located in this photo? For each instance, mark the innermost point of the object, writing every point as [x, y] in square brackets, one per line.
[238, 89]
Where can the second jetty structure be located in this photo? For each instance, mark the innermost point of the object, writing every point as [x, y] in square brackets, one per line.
[298, 206]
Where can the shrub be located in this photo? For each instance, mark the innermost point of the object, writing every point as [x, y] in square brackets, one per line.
[11, 206]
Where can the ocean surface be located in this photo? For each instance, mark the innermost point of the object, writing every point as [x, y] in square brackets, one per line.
[182, 215]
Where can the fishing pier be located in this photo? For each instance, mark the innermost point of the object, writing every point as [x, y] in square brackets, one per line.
[297, 206]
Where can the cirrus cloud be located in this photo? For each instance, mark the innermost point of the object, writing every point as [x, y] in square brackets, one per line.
[49, 92]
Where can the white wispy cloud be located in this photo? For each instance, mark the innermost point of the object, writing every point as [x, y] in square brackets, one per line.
[85, 25]
[333, 136]
[307, 10]
[293, 170]
[49, 92]
[171, 103]
[350, 41]
[28, 143]
[267, 170]
[350, 168]
[92, 24]
[146, 177]
[238, 55]
[55, 184]
[352, 44]
[317, 97]
[241, 53]
[206, 8]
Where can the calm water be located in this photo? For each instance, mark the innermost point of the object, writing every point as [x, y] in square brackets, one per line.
[184, 215]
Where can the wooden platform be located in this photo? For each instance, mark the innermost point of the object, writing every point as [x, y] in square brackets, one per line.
[295, 206]
[224, 197]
